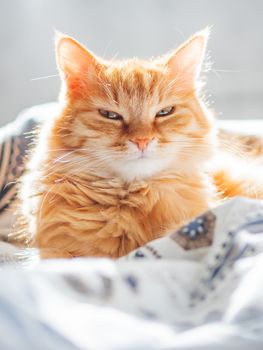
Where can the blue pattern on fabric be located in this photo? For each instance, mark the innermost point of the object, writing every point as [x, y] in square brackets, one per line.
[139, 254]
[132, 281]
[198, 227]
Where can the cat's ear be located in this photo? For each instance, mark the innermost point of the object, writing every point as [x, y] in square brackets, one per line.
[185, 63]
[74, 61]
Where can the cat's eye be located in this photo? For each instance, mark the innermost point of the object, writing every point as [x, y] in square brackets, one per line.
[165, 111]
[110, 114]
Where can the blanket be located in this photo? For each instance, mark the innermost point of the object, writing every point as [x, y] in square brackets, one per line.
[198, 288]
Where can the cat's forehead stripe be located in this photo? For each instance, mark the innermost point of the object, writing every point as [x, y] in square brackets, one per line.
[134, 88]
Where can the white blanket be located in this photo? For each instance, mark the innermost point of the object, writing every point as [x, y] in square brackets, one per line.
[159, 297]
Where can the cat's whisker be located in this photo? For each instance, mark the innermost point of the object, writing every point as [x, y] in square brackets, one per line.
[44, 199]
[59, 159]
[60, 149]
[56, 160]
[236, 149]
[45, 77]
[77, 163]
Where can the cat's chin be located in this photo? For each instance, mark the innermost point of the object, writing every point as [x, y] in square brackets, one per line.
[141, 168]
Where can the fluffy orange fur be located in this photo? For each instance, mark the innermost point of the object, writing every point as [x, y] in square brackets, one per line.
[97, 186]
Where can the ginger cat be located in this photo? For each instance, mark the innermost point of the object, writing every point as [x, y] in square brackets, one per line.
[133, 155]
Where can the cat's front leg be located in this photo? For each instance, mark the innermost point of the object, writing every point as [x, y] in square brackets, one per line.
[113, 237]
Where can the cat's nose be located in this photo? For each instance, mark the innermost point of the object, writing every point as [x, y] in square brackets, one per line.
[141, 142]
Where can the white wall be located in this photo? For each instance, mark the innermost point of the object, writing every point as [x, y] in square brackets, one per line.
[131, 28]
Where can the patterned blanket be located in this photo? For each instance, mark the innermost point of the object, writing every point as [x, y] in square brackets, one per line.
[161, 296]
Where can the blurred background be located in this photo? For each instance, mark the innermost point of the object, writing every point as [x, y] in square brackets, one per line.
[125, 28]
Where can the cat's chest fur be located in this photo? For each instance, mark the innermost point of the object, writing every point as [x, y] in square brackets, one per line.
[108, 217]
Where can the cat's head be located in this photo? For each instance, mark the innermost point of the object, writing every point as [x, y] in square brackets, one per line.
[135, 118]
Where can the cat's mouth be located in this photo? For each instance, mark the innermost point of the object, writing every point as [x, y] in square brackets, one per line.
[143, 155]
